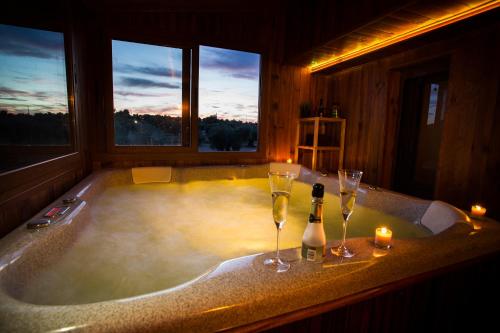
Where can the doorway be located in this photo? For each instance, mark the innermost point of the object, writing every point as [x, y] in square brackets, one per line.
[423, 110]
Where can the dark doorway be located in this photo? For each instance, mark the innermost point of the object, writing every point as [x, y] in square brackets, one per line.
[423, 110]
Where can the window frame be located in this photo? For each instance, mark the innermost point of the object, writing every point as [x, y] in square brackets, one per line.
[190, 86]
[186, 100]
[258, 148]
[72, 149]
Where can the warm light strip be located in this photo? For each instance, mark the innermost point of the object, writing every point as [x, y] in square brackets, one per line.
[435, 24]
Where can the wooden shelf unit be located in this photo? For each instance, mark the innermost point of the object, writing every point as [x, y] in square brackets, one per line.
[319, 124]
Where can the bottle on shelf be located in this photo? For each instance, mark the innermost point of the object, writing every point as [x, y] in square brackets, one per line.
[321, 108]
[335, 111]
[314, 239]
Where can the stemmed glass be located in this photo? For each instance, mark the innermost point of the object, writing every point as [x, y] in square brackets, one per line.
[349, 183]
[281, 186]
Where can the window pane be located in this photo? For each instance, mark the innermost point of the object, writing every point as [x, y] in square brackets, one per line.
[33, 96]
[147, 92]
[228, 100]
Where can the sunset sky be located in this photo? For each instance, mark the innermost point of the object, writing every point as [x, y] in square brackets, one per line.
[146, 78]
[32, 70]
[229, 84]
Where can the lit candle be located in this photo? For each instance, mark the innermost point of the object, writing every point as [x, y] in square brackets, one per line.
[478, 211]
[383, 237]
[289, 161]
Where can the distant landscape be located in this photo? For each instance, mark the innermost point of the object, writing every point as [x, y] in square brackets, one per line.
[130, 129]
[227, 135]
[160, 130]
[51, 129]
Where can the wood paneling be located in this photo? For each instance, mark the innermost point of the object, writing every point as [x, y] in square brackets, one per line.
[345, 30]
[248, 27]
[26, 191]
[394, 82]
[261, 32]
[311, 25]
[439, 301]
[369, 97]
[290, 87]
[470, 150]
[362, 95]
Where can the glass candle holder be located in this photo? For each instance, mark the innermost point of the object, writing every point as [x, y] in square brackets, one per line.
[383, 237]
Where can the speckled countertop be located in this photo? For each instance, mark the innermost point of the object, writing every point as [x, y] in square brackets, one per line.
[236, 292]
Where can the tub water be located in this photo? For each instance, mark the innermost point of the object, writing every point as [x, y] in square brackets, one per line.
[146, 238]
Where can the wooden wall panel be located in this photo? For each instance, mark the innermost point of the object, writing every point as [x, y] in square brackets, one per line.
[22, 197]
[362, 95]
[388, 157]
[283, 87]
[310, 24]
[25, 191]
[431, 302]
[369, 98]
[260, 32]
[289, 88]
[470, 155]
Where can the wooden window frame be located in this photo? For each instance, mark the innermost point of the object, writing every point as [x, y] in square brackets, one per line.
[67, 154]
[186, 92]
[188, 151]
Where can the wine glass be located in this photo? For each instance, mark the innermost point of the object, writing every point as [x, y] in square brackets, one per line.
[281, 186]
[349, 183]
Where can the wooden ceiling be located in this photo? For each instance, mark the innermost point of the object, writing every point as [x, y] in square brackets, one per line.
[401, 24]
[181, 6]
[320, 34]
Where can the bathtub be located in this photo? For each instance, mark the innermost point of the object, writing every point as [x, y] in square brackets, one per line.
[222, 283]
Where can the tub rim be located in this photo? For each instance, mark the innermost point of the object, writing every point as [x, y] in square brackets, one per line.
[224, 270]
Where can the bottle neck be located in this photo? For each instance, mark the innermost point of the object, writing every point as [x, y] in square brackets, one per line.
[316, 215]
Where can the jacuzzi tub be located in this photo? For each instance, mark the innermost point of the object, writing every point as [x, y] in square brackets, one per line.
[124, 259]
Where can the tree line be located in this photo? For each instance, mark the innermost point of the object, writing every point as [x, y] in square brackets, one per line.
[130, 129]
[218, 134]
[34, 129]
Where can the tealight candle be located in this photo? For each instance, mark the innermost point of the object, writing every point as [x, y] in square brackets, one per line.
[289, 161]
[383, 237]
[478, 211]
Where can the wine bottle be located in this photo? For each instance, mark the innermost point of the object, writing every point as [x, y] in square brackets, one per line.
[321, 108]
[314, 239]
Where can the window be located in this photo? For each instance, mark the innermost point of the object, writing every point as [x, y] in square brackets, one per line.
[228, 100]
[34, 112]
[152, 87]
[147, 90]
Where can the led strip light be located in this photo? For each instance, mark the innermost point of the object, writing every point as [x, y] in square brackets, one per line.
[428, 26]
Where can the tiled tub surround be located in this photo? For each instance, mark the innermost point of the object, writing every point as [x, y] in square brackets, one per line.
[235, 292]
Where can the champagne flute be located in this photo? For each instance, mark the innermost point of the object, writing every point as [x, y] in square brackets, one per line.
[349, 183]
[281, 186]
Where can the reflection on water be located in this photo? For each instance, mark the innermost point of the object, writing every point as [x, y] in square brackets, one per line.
[145, 238]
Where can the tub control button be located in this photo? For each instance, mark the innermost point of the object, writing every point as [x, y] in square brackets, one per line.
[56, 211]
[63, 210]
[52, 212]
[39, 223]
[68, 201]
[374, 188]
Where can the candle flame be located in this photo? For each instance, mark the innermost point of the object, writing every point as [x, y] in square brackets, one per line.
[383, 230]
[289, 161]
